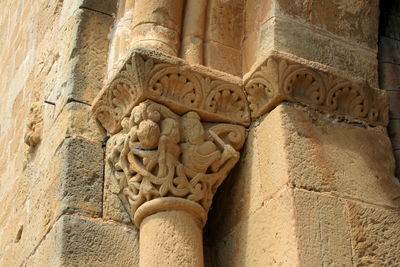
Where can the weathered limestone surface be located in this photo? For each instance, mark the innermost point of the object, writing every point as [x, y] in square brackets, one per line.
[52, 51]
[310, 189]
[80, 241]
[258, 240]
[344, 38]
[333, 192]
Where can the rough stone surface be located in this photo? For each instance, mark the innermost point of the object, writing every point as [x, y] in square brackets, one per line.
[315, 187]
[79, 241]
[331, 157]
[171, 238]
[374, 234]
[309, 190]
[259, 240]
[321, 230]
[46, 41]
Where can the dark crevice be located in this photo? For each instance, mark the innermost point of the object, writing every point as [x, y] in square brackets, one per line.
[94, 10]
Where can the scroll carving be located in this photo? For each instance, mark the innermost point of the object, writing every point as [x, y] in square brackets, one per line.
[159, 154]
[171, 82]
[279, 79]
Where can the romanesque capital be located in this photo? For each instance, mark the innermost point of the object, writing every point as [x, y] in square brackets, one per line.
[284, 78]
[215, 96]
[164, 161]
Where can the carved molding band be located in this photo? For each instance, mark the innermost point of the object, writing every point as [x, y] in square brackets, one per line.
[168, 80]
[280, 79]
[159, 154]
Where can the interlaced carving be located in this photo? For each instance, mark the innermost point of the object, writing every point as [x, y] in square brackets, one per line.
[161, 154]
[279, 79]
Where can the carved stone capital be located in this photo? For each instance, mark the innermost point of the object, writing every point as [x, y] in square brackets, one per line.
[215, 96]
[161, 160]
[282, 79]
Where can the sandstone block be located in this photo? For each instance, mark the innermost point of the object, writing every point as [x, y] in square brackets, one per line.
[266, 238]
[312, 152]
[82, 58]
[374, 234]
[253, 180]
[355, 20]
[77, 241]
[71, 182]
[223, 58]
[328, 156]
[74, 121]
[225, 22]
[294, 38]
[321, 230]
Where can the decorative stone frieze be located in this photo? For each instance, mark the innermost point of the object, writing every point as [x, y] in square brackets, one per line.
[215, 96]
[280, 79]
[163, 161]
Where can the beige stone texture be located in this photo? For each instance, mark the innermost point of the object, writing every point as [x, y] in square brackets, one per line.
[354, 20]
[340, 39]
[45, 44]
[331, 157]
[321, 230]
[157, 25]
[310, 188]
[266, 238]
[374, 234]
[80, 241]
[314, 201]
[225, 22]
[171, 238]
[221, 57]
[193, 31]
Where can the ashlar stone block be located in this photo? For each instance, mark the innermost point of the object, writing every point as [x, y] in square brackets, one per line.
[79, 241]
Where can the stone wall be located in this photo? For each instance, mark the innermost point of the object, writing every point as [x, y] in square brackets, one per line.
[315, 182]
[51, 185]
[308, 191]
[389, 68]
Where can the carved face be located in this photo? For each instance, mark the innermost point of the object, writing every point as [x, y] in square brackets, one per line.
[148, 134]
[193, 131]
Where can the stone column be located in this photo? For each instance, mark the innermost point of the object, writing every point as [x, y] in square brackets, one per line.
[157, 25]
[176, 132]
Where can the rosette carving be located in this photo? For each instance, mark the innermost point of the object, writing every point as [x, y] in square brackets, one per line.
[170, 81]
[280, 79]
[159, 154]
[348, 98]
[306, 86]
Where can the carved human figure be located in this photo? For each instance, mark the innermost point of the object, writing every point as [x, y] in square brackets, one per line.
[162, 154]
[200, 154]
